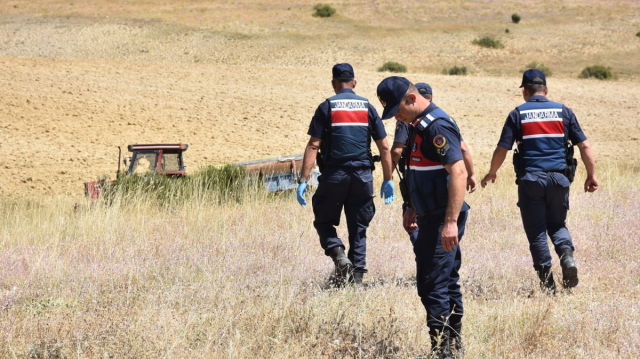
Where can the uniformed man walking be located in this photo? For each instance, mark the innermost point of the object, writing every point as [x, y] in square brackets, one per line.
[341, 132]
[398, 156]
[545, 133]
[436, 179]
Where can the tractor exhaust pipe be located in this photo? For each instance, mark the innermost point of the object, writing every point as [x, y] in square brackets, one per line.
[119, 158]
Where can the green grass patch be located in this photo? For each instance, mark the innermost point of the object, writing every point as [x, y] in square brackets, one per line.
[539, 66]
[597, 71]
[227, 183]
[488, 42]
[515, 18]
[455, 70]
[323, 10]
[391, 66]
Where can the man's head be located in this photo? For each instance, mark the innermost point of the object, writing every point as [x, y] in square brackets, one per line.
[533, 83]
[425, 90]
[343, 77]
[400, 98]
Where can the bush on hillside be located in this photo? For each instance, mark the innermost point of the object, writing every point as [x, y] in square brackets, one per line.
[515, 18]
[323, 10]
[598, 71]
[539, 66]
[638, 34]
[506, 30]
[455, 70]
[488, 42]
[391, 66]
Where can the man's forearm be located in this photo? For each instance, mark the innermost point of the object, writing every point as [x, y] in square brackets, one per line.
[309, 159]
[468, 160]
[497, 160]
[588, 158]
[457, 185]
[396, 152]
[385, 159]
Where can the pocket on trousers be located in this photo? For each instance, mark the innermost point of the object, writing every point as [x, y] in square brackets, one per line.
[364, 175]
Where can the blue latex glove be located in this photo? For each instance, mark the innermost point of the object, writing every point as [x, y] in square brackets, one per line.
[301, 188]
[388, 192]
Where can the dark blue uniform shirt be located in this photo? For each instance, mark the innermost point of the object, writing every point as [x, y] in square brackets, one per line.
[512, 132]
[447, 151]
[321, 120]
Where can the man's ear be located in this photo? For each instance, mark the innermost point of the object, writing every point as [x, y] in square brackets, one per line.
[411, 97]
[355, 82]
[546, 90]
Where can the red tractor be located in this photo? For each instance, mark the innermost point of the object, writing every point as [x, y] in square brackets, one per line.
[162, 158]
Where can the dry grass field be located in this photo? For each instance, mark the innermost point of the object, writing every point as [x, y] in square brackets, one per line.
[240, 80]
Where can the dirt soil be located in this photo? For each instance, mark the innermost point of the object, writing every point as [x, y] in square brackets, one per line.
[75, 85]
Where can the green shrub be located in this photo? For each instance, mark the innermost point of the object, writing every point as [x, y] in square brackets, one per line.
[540, 66]
[506, 30]
[323, 10]
[598, 71]
[455, 70]
[488, 42]
[515, 18]
[638, 34]
[391, 66]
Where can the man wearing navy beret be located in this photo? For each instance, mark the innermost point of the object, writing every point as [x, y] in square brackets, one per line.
[545, 133]
[341, 131]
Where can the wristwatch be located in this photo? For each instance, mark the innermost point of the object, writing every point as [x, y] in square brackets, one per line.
[303, 180]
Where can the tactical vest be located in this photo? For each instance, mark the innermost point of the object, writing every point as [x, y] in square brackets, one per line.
[427, 178]
[350, 133]
[543, 137]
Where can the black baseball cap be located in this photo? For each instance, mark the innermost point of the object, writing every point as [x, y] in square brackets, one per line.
[424, 88]
[533, 76]
[342, 71]
[390, 92]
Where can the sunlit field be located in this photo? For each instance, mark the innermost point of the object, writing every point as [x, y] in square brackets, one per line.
[194, 279]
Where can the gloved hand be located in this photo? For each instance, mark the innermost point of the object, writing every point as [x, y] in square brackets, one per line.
[301, 188]
[388, 192]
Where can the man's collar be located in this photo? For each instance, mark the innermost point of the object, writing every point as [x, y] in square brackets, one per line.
[432, 106]
[538, 98]
[346, 90]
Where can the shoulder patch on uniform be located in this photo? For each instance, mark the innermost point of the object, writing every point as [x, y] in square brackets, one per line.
[422, 125]
[439, 141]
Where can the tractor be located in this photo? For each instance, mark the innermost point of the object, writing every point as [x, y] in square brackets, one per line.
[161, 158]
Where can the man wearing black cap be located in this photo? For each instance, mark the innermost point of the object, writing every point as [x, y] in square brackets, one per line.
[436, 178]
[545, 133]
[341, 130]
[400, 139]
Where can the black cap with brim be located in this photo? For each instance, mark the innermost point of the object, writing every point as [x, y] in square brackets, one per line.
[342, 71]
[390, 92]
[533, 76]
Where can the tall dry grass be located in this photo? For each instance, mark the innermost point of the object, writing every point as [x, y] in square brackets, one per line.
[244, 280]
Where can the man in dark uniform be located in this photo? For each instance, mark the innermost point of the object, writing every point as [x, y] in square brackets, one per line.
[436, 179]
[341, 129]
[544, 131]
[399, 144]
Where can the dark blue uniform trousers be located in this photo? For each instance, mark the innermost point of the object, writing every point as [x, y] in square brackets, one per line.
[437, 272]
[351, 188]
[544, 202]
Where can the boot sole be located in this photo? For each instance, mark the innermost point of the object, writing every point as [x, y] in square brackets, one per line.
[570, 277]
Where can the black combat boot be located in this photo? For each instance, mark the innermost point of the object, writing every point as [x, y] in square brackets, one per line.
[357, 278]
[440, 344]
[344, 268]
[569, 268]
[455, 341]
[546, 280]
